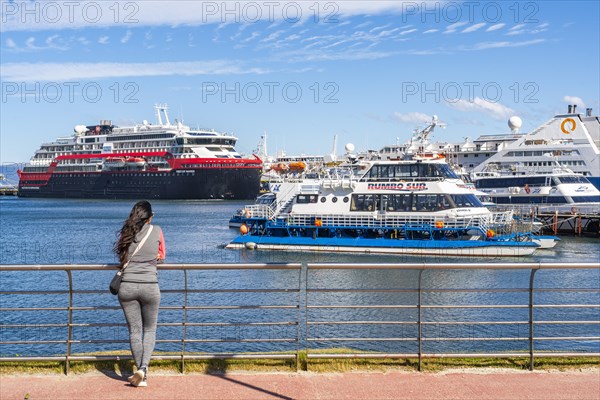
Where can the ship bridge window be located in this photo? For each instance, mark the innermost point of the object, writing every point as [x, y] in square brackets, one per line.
[466, 200]
[572, 179]
[306, 198]
[406, 171]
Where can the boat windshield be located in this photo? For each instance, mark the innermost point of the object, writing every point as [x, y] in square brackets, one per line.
[412, 202]
[572, 179]
[397, 172]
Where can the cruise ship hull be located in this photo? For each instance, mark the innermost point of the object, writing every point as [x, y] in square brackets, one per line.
[216, 183]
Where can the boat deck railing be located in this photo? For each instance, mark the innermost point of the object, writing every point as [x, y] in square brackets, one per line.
[391, 221]
[410, 307]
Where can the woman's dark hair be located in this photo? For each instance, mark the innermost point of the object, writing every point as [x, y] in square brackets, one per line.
[140, 214]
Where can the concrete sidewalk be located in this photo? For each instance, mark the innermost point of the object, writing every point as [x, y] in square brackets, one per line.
[486, 384]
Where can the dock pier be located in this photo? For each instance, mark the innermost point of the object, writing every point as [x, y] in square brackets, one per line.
[578, 224]
[9, 191]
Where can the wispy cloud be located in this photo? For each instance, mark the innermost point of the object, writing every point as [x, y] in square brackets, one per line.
[52, 42]
[30, 72]
[574, 100]
[453, 27]
[430, 31]
[408, 31]
[474, 27]
[501, 44]
[103, 40]
[495, 110]
[250, 38]
[127, 36]
[183, 12]
[415, 117]
[495, 27]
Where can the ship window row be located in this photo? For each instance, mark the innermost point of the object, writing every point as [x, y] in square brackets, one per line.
[513, 182]
[403, 171]
[205, 141]
[549, 163]
[412, 202]
[572, 179]
[541, 153]
[140, 145]
[142, 137]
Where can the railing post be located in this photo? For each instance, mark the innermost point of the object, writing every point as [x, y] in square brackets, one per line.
[185, 302]
[531, 279]
[70, 326]
[419, 321]
[305, 266]
[298, 332]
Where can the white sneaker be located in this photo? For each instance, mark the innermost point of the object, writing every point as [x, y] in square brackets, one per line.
[139, 378]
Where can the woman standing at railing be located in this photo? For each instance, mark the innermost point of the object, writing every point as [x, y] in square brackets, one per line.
[139, 294]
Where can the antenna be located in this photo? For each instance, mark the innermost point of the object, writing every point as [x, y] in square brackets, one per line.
[334, 149]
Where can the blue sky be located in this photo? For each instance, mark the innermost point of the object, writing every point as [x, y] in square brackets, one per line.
[369, 72]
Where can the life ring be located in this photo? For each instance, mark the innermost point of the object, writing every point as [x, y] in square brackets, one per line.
[572, 124]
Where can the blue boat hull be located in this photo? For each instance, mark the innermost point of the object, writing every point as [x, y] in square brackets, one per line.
[475, 248]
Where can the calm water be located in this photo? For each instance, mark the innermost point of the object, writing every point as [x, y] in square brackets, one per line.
[36, 231]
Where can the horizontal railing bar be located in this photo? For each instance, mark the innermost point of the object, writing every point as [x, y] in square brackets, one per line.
[567, 338]
[35, 342]
[232, 323]
[33, 326]
[231, 340]
[284, 290]
[362, 355]
[450, 355]
[425, 290]
[409, 266]
[225, 307]
[410, 339]
[235, 356]
[154, 357]
[566, 306]
[166, 267]
[566, 322]
[310, 339]
[18, 292]
[355, 306]
[34, 309]
[76, 291]
[309, 323]
[415, 322]
[361, 322]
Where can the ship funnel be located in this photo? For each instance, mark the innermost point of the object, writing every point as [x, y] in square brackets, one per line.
[588, 112]
[570, 109]
[574, 108]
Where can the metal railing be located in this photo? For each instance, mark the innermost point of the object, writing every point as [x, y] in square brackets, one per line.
[420, 307]
[306, 303]
[186, 307]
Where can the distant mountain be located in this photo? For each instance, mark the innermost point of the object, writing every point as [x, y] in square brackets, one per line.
[9, 170]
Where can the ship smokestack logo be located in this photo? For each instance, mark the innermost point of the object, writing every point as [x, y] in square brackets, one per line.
[572, 124]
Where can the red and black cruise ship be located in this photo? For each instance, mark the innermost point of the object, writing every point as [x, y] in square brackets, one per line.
[162, 161]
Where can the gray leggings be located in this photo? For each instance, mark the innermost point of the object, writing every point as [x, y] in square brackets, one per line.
[140, 304]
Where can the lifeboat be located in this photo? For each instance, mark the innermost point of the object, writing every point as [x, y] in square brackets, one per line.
[135, 162]
[114, 162]
[297, 166]
[280, 167]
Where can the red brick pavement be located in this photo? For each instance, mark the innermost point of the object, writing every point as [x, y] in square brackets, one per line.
[392, 385]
